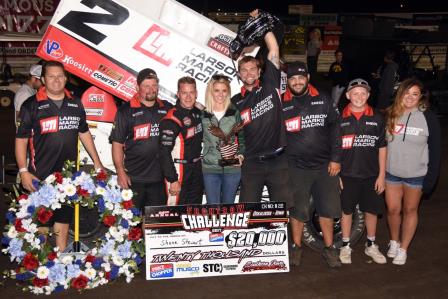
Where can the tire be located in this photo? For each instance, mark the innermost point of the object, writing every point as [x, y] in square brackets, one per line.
[90, 227]
[312, 234]
[6, 99]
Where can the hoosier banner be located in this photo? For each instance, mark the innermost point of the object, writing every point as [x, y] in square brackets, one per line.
[215, 240]
[107, 42]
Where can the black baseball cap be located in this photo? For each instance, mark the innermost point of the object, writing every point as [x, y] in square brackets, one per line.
[296, 68]
[146, 74]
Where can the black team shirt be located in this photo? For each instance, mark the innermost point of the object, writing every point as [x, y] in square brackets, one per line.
[261, 112]
[53, 131]
[137, 127]
[361, 141]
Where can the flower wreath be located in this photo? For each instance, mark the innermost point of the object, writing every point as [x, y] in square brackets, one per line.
[44, 268]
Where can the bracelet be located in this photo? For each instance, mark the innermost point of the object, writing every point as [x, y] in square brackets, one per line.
[23, 169]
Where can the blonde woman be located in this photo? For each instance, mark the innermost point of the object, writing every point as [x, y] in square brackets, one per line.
[223, 143]
[413, 162]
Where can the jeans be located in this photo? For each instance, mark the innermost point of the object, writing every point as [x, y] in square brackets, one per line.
[221, 187]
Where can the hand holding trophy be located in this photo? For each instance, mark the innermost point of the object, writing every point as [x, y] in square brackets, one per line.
[227, 144]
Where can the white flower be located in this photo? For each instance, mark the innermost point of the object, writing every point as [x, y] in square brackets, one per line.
[127, 215]
[55, 206]
[117, 260]
[126, 194]
[90, 273]
[106, 267]
[109, 206]
[42, 272]
[50, 179]
[69, 190]
[68, 259]
[100, 190]
[12, 233]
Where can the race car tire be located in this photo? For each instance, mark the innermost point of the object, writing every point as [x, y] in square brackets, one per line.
[6, 99]
[312, 234]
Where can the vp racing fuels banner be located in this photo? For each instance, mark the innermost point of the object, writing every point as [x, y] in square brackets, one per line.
[215, 240]
[108, 42]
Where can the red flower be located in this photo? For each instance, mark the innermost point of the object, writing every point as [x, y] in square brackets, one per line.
[18, 226]
[135, 234]
[22, 197]
[59, 177]
[109, 220]
[30, 262]
[51, 256]
[102, 175]
[82, 192]
[43, 215]
[90, 259]
[80, 282]
[127, 204]
[108, 275]
[37, 282]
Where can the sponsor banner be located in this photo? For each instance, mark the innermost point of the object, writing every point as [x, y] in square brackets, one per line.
[331, 36]
[112, 31]
[215, 240]
[19, 49]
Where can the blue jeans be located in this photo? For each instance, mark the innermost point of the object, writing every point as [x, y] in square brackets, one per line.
[220, 187]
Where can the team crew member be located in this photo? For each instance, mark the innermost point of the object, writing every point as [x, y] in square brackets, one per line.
[363, 167]
[52, 120]
[135, 142]
[29, 88]
[413, 163]
[180, 146]
[259, 104]
[314, 155]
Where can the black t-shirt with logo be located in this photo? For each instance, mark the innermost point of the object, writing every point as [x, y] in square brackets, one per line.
[312, 129]
[137, 127]
[53, 131]
[361, 141]
[181, 140]
[261, 112]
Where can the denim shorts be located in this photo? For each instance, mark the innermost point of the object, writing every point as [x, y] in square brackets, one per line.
[415, 182]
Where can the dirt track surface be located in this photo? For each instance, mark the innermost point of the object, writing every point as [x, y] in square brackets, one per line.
[425, 275]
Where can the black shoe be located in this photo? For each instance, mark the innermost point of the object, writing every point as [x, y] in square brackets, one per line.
[295, 255]
[331, 256]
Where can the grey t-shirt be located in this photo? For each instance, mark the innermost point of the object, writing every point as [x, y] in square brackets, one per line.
[407, 151]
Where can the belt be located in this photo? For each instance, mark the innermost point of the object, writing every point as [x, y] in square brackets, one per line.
[270, 156]
[183, 161]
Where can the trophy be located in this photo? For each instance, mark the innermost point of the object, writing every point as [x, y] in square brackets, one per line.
[227, 145]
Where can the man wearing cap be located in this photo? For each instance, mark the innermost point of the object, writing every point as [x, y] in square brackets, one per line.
[135, 142]
[28, 89]
[363, 167]
[259, 104]
[314, 155]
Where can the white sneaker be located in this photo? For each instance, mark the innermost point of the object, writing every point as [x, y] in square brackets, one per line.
[400, 258]
[375, 254]
[393, 248]
[345, 254]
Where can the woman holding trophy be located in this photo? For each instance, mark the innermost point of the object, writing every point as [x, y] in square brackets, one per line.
[223, 143]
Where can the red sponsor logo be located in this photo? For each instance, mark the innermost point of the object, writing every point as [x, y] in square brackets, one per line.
[245, 116]
[142, 131]
[398, 129]
[49, 125]
[154, 44]
[347, 141]
[219, 47]
[190, 133]
[293, 124]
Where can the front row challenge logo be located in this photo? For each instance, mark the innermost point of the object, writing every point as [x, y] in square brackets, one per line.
[53, 49]
[161, 270]
[155, 44]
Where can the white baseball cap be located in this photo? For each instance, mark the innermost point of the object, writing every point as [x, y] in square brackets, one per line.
[36, 70]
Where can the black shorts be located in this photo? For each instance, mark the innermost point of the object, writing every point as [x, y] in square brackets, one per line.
[324, 189]
[362, 192]
[62, 215]
[148, 194]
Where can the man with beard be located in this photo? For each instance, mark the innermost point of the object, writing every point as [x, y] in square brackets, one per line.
[314, 155]
[264, 133]
[135, 142]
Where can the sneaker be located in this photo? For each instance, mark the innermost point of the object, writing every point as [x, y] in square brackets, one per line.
[393, 248]
[345, 254]
[375, 254]
[331, 256]
[400, 258]
[295, 255]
